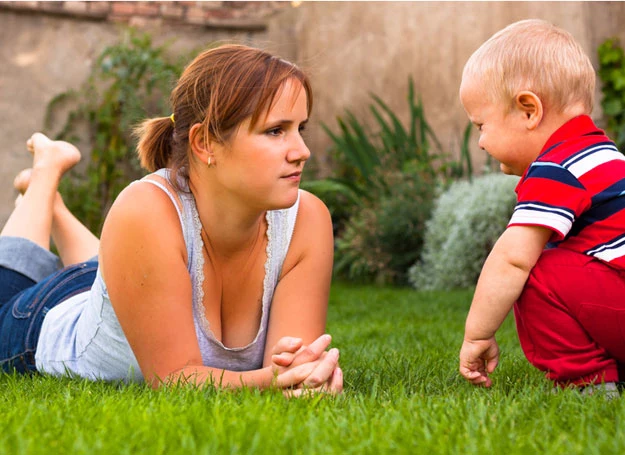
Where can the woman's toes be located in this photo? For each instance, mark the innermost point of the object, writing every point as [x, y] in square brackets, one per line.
[22, 180]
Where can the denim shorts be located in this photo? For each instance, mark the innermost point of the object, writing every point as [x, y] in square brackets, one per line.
[31, 284]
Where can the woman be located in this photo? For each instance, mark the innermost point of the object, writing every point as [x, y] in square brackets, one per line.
[214, 268]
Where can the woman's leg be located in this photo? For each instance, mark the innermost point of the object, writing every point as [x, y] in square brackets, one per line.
[32, 217]
[74, 242]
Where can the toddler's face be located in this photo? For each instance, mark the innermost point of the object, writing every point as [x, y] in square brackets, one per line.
[502, 129]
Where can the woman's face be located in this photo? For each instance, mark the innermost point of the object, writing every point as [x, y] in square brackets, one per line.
[262, 165]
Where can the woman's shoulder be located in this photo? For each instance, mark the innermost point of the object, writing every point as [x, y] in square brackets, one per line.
[311, 209]
[312, 231]
[141, 208]
[149, 197]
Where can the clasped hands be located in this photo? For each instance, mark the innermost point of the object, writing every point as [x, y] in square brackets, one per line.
[300, 369]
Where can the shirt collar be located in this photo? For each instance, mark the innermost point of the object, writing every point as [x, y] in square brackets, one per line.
[577, 126]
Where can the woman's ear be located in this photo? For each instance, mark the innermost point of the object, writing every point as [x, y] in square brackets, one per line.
[531, 107]
[200, 145]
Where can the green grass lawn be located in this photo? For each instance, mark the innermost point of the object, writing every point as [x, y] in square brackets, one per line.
[399, 352]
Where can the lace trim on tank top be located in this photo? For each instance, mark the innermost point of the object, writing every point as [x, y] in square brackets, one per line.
[198, 268]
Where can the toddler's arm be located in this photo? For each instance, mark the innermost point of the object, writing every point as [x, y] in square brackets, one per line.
[500, 284]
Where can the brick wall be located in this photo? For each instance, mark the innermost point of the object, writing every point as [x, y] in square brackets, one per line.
[244, 15]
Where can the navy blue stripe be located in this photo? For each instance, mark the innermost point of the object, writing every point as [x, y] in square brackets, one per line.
[613, 191]
[598, 213]
[609, 145]
[614, 243]
[556, 173]
[542, 207]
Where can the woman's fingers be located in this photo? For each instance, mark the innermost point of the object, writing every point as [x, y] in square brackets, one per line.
[311, 366]
[324, 369]
[289, 351]
[295, 375]
[333, 387]
[284, 351]
[313, 351]
[283, 360]
[287, 344]
[310, 374]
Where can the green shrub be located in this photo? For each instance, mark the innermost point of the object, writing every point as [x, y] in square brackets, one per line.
[466, 221]
[612, 74]
[359, 150]
[382, 189]
[384, 236]
[130, 80]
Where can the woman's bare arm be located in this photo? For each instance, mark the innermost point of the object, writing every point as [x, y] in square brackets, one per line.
[143, 259]
[300, 301]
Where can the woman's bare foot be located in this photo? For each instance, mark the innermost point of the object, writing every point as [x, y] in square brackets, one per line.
[21, 182]
[58, 155]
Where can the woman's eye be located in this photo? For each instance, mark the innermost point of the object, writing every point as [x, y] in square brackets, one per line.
[274, 131]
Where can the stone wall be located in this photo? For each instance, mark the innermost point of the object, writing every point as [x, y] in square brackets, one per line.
[47, 48]
[222, 15]
[351, 49]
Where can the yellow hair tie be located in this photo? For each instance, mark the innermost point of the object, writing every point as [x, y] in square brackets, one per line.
[171, 117]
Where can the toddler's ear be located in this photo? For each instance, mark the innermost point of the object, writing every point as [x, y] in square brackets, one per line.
[532, 108]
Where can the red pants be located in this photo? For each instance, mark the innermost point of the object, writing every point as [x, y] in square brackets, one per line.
[571, 318]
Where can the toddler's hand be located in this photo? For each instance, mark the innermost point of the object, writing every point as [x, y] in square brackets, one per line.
[479, 358]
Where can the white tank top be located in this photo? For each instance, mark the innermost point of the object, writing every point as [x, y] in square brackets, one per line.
[82, 336]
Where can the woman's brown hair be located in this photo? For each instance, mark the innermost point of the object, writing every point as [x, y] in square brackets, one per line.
[220, 88]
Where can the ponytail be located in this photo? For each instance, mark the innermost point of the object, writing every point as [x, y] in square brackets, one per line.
[155, 142]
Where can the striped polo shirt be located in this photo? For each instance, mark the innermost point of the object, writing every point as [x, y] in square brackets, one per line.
[576, 188]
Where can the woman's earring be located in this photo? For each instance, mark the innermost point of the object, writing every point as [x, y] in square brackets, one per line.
[209, 162]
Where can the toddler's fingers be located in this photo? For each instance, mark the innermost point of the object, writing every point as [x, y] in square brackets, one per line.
[492, 364]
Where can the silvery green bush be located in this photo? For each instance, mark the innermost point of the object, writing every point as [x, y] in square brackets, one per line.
[466, 221]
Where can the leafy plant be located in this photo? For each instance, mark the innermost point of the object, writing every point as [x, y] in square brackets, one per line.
[612, 73]
[129, 81]
[359, 153]
[382, 190]
[384, 237]
[466, 221]
[464, 166]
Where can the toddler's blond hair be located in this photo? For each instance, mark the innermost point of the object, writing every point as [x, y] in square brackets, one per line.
[537, 56]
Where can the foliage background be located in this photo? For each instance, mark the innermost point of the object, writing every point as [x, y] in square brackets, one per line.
[130, 81]
[466, 222]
